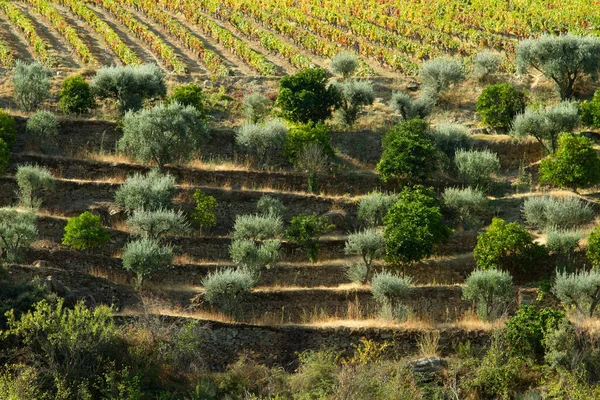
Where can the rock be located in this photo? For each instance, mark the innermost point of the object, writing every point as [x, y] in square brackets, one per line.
[337, 218]
[591, 135]
[56, 287]
[479, 131]
[429, 366]
[413, 86]
[41, 264]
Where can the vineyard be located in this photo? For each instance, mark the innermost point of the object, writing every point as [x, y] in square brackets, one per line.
[234, 37]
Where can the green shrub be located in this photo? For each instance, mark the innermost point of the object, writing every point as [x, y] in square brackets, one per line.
[486, 63]
[508, 247]
[316, 376]
[43, 128]
[153, 191]
[449, 138]
[263, 139]
[249, 255]
[410, 108]
[440, 73]
[413, 227]
[369, 245]
[306, 97]
[85, 232]
[8, 129]
[389, 290]
[305, 230]
[491, 290]
[31, 180]
[312, 160]
[75, 96]
[163, 134]
[477, 167]
[4, 156]
[373, 208]
[32, 84]
[144, 257]
[268, 205]
[574, 165]
[257, 107]
[546, 124]
[228, 289]
[129, 85]
[590, 111]
[204, 212]
[302, 135]
[354, 95]
[257, 227]
[408, 153]
[467, 204]
[593, 247]
[157, 224]
[545, 212]
[578, 290]
[564, 243]
[189, 95]
[17, 232]
[344, 64]
[499, 104]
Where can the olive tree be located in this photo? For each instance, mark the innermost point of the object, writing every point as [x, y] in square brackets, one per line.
[32, 84]
[146, 256]
[227, 289]
[389, 290]
[344, 64]
[17, 232]
[369, 245]
[354, 96]
[563, 59]
[254, 256]
[155, 224]
[31, 180]
[373, 208]
[440, 73]
[579, 290]
[491, 290]
[410, 108]
[150, 192]
[264, 139]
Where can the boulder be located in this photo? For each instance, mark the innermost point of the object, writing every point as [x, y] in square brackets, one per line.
[413, 86]
[428, 367]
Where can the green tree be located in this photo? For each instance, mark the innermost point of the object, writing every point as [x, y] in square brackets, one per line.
[189, 95]
[300, 136]
[75, 96]
[440, 73]
[590, 111]
[491, 290]
[228, 289]
[31, 180]
[498, 104]
[156, 224]
[17, 232]
[144, 257]
[354, 95]
[305, 230]
[574, 165]
[32, 84]
[593, 247]
[369, 245]
[85, 232]
[204, 211]
[153, 191]
[344, 64]
[8, 129]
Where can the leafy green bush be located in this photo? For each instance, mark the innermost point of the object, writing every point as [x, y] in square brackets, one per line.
[32, 179]
[354, 95]
[316, 376]
[508, 247]
[373, 208]
[268, 205]
[578, 290]
[410, 108]
[413, 227]
[75, 96]
[32, 84]
[593, 247]
[408, 152]
[438, 74]
[8, 129]
[249, 255]
[477, 167]
[389, 290]
[369, 245]
[85, 232]
[129, 85]
[590, 111]
[491, 290]
[144, 257]
[306, 97]
[4, 156]
[228, 289]
[153, 191]
[302, 135]
[305, 230]
[43, 128]
[449, 138]
[468, 204]
[264, 139]
[574, 165]
[544, 212]
[17, 232]
[344, 64]
[189, 95]
[499, 104]
[257, 227]
[257, 107]
[163, 134]
[157, 224]
[486, 63]
[204, 212]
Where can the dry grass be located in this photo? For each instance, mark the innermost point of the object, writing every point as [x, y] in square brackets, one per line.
[109, 274]
[429, 343]
[160, 309]
[104, 157]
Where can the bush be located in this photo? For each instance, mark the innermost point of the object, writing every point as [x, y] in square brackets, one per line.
[256, 107]
[491, 290]
[305, 230]
[507, 247]
[31, 180]
[354, 96]
[85, 232]
[590, 111]
[228, 289]
[499, 104]
[468, 204]
[43, 128]
[204, 212]
[306, 97]
[574, 165]
[32, 84]
[312, 160]
[17, 232]
[4, 156]
[8, 129]
[129, 85]
[410, 108]
[150, 192]
[438, 74]
[264, 139]
[302, 135]
[449, 138]
[268, 205]
[157, 224]
[578, 290]
[564, 243]
[257, 227]
[486, 63]
[408, 153]
[593, 247]
[163, 134]
[248, 255]
[316, 376]
[369, 245]
[389, 290]
[546, 124]
[344, 64]
[189, 95]
[373, 208]
[75, 96]
[144, 257]
[563, 59]
[413, 227]
[477, 167]
[545, 212]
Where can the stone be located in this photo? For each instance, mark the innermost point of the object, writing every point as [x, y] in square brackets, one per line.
[337, 218]
[428, 366]
[591, 135]
[41, 264]
[413, 86]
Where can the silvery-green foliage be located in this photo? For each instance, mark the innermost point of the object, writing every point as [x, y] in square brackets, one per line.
[254, 256]
[43, 128]
[32, 179]
[491, 290]
[545, 212]
[389, 290]
[146, 256]
[264, 139]
[354, 96]
[373, 208]
[31, 84]
[562, 241]
[227, 289]
[438, 74]
[486, 63]
[368, 244]
[17, 232]
[157, 224]
[410, 108]
[449, 138]
[357, 272]
[476, 167]
[578, 290]
[268, 205]
[467, 203]
[344, 64]
[257, 227]
[256, 107]
[150, 192]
